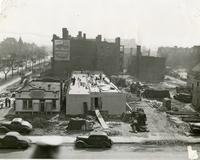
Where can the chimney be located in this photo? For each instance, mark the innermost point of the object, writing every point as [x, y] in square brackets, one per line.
[65, 33]
[84, 36]
[98, 38]
[79, 34]
[117, 41]
[138, 51]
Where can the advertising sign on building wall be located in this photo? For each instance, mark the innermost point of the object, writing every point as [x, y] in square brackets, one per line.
[62, 50]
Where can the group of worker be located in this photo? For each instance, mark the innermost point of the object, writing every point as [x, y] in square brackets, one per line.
[138, 121]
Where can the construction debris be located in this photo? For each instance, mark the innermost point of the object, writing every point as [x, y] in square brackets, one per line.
[156, 94]
[80, 124]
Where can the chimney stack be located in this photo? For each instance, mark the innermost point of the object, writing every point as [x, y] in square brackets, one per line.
[65, 33]
[84, 36]
[79, 34]
[117, 41]
[138, 51]
[138, 59]
[98, 38]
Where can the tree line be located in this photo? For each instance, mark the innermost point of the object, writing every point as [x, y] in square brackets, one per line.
[16, 53]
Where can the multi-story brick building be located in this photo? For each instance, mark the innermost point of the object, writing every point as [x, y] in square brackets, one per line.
[147, 68]
[79, 53]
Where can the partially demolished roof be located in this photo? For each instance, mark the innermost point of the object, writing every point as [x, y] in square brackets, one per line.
[47, 86]
[91, 82]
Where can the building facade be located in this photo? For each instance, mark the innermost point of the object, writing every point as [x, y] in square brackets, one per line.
[194, 83]
[147, 68]
[79, 53]
[38, 97]
[93, 90]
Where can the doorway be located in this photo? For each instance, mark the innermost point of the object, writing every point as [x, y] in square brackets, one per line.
[42, 105]
[96, 103]
[85, 108]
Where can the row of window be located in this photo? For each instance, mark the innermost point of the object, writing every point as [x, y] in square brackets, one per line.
[29, 104]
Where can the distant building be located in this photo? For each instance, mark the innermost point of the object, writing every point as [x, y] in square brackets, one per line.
[38, 97]
[194, 83]
[79, 53]
[147, 68]
[180, 57]
[93, 90]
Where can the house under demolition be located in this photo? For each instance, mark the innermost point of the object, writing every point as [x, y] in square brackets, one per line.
[89, 91]
[147, 68]
[79, 53]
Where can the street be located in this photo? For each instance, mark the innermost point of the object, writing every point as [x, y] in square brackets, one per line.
[122, 151]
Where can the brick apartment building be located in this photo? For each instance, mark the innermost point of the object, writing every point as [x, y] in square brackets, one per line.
[79, 53]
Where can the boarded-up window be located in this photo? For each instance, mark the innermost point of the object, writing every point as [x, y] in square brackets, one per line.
[36, 105]
[49, 105]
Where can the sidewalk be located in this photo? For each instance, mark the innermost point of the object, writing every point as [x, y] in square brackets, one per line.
[151, 139]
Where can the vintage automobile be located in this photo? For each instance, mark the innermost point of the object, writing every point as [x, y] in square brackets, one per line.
[94, 140]
[14, 140]
[195, 128]
[183, 97]
[18, 125]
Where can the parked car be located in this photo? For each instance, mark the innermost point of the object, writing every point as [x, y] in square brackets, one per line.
[195, 128]
[94, 140]
[4, 129]
[13, 140]
[183, 97]
[18, 125]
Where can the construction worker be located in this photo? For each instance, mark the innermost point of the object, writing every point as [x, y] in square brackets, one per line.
[134, 122]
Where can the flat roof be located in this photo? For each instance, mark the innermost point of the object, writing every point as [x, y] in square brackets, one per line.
[94, 82]
[47, 86]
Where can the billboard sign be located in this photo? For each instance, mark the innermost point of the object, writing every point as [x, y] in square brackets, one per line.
[62, 50]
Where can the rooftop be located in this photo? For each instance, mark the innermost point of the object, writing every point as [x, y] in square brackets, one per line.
[91, 82]
[47, 86]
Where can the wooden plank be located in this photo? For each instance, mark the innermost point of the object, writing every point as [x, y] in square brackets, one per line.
[100, 118]
[191, 119]
[128, 107]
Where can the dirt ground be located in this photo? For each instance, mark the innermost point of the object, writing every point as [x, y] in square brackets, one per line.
[157, 120]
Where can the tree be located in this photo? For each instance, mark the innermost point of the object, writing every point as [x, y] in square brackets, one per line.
[5, 67]
[8, 50]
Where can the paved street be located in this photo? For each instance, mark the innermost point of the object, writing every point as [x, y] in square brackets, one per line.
[116, 152]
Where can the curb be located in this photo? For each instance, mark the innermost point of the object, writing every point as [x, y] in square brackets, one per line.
[130, 140]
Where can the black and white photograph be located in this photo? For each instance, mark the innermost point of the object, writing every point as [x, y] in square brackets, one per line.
[100, 79]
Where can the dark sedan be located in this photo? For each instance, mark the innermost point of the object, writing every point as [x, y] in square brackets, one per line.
[13, 140]
[18, 125]
[94, 140]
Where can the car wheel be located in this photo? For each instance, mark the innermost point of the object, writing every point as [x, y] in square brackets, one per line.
[80, 145]
[104, 145]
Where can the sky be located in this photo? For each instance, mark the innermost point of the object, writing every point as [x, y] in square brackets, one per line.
[152, 23]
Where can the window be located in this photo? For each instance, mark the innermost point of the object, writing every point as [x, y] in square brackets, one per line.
[25, 105]
[30, 104]
[49, 105]
[197, 84]
[53, 104]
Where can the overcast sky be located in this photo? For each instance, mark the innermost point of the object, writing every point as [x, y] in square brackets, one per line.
[151, 22]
